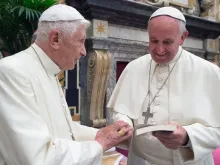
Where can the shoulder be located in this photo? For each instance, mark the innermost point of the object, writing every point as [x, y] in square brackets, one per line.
[16, 64]
[199, 64]
[139, 63]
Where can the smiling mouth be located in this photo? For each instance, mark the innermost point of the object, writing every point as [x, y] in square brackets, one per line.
[165, 54]
[161, 56]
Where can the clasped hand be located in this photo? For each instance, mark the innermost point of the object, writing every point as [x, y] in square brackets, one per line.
[114, 134]
[173, 140]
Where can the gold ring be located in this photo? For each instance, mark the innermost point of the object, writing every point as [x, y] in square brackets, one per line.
[121, 132]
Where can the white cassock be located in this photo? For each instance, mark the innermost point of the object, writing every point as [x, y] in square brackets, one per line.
[189, 97]
[33, 125]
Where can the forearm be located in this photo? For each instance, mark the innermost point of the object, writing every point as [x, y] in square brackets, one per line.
[83, 133]
[32, 143]
[78, 153]
[203, 141]
[50, 151]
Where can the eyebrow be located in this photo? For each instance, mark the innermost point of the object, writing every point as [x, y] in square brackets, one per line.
[167, 39]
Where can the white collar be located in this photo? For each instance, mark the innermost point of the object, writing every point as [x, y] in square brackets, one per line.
[48, 64]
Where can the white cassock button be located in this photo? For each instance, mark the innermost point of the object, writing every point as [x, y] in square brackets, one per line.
[160, 79]
[157, 104]
[157, 100]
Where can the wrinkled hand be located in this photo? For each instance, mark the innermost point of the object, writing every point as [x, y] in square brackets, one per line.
[109, 136]
[173, 140]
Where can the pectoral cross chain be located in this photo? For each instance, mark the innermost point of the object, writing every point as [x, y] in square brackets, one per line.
[147, 115]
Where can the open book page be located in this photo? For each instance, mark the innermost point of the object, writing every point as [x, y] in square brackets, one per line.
[112, 157]
[152, 128]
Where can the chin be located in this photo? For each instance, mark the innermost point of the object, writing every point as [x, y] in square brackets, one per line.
[159, 61]
[162, 61]
[72, 67]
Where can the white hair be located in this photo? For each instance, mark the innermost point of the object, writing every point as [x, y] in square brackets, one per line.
[182, 26]
[66, 28]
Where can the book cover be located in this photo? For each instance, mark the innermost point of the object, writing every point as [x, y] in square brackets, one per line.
[152, 128]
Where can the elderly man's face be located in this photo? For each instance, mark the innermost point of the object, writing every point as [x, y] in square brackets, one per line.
[72, 49]
[164, 38]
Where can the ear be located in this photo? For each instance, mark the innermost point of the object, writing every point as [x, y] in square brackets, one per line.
[183, 37]
[54, 39]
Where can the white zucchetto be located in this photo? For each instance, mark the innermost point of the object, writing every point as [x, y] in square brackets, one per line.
[169, 11]
[61, 12]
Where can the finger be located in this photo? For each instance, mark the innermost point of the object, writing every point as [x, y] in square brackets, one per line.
[126, 136]
[164, 134]
[121, 124]
[123, 131]
[167, 139]
[116, 126]
[126, 129]
[128, 132]
[175, 143]
[169, 142]
[131, 131]
[169, 145]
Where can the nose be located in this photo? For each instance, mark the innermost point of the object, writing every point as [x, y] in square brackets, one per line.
[160, 49]
[83, 51]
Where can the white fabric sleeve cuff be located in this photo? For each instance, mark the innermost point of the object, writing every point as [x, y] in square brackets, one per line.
[189, 144]
[118, 116]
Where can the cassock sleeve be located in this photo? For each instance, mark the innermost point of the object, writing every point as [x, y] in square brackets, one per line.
[83, 133]
[25, 139]
[203, 141]
[116, 116]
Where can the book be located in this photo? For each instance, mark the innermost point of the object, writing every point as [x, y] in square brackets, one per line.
[153, 128]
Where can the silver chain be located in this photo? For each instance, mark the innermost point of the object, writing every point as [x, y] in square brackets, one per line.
[60, 92]
[64, 108]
